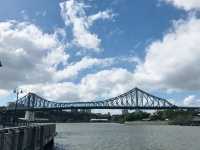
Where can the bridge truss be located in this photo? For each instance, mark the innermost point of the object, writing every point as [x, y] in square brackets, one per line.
[133, 99]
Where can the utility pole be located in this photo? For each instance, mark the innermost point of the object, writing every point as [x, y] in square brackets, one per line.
[17, 92]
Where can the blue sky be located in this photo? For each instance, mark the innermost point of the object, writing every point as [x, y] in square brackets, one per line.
[136, 24]
[93, 49]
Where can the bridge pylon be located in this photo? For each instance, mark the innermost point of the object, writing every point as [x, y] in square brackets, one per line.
[30, 116]
[124, 111]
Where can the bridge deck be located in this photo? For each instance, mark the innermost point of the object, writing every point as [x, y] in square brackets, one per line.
[104, 107]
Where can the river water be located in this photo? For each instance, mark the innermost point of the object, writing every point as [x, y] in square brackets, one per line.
[111, 136]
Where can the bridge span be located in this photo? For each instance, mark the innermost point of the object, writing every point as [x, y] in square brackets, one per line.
[133, 99]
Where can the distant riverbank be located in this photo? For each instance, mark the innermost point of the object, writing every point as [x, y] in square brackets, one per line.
[146, 122]
[186, 123]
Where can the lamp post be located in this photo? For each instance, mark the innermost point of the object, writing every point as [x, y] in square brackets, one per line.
[17, 92]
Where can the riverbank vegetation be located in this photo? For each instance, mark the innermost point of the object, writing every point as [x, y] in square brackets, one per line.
[175, 117]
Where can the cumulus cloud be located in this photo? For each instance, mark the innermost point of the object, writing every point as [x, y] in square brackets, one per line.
[32, 60]
[191, 100]
[30, 56]
[73, 13]
[73, 69]
[107, 14]
[3, 93]
[38, 62]
[173, 62]
[96, 86]
[64, 91]
[185, 4]
[107, 83]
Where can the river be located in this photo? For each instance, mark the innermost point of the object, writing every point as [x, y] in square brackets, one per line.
[111, 136]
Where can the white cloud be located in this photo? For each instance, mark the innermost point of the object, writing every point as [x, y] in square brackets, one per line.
[28, 54]
[32, 59]
[185, 4]
[31, 56]
[173, 62]
[191, 100]
[107, 14]
[3, 93]
[64, 91]
[73, 69]
[73, 13]
[105, 83]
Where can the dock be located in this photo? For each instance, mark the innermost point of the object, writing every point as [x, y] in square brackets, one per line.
[34, 137]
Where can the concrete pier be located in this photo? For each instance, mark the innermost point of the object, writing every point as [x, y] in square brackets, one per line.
[35, 137]
[30, 115]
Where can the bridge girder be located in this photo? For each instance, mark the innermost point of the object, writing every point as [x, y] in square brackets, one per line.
[133, 99]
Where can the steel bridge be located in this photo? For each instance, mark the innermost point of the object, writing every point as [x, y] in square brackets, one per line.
[133, 99]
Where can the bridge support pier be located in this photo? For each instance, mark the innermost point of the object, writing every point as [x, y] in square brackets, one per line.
[74, 110]
[85, 110]
[30, 116]
[124, 111]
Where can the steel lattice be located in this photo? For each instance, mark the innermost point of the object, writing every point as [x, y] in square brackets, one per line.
[133, 99]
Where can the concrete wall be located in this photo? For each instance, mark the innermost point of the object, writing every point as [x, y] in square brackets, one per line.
[27, 137]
